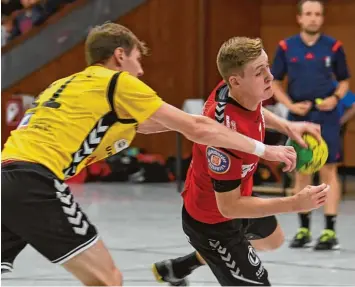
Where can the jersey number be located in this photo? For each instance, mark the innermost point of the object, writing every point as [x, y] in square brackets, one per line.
[51, 103]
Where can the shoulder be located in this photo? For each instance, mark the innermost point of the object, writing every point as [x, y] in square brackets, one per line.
[212, 100]
[284, 44]
[127, 82]
[331, 42]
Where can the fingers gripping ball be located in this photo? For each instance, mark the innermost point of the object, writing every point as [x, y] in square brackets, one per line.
[311, 159]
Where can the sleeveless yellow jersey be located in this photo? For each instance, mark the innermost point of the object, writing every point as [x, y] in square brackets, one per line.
[82, 119]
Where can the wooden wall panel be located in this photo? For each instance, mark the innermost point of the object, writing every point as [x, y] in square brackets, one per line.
[225, 19]
[170, 29]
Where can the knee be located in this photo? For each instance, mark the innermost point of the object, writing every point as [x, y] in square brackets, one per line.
[277, 242]
[273, 242]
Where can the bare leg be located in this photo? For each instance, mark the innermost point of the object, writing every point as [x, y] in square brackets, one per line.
[95, 267]
[303, 235]
[272, 242]
[328, 240]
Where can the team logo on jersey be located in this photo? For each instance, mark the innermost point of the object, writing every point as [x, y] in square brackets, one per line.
[253, 258]
[120, 145]
[218, 161]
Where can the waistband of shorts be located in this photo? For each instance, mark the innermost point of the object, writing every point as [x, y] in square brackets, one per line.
[21, 165]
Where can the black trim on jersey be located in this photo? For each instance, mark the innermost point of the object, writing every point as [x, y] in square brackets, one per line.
[232, 101]
[230, 153]
[222, 93]
[219, 112]
[91, 142]
[225, 185]
[110, 96]
[96, 134]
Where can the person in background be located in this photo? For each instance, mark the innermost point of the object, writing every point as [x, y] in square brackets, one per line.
[311, 59]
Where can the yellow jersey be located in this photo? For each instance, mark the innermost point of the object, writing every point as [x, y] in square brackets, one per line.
[82, 119]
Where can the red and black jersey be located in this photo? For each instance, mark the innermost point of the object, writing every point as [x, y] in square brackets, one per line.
[218, 169]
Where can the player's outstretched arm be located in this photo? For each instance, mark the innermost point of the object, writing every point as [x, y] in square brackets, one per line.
[294, 130]
[206, 131]
[232, 205]
[151, 127]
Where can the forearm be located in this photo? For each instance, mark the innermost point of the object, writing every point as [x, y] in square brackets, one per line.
[342, 88]
[254, 207]
[151, 127]
[280, 94]
[209, 132]
[275, 122]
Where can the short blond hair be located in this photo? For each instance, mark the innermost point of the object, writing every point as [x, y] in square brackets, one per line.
[235, 53]
[103, 40]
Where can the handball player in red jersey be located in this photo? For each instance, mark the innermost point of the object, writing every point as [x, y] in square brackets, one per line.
[221, 218]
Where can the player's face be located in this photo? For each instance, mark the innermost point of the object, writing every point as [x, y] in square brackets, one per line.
[311, 19]
[131, 63]
[257, 79]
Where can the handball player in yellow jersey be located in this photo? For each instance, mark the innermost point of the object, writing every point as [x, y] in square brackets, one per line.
[78, 120]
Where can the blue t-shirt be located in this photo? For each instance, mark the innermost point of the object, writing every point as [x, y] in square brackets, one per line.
[311, 71]
[346, 102]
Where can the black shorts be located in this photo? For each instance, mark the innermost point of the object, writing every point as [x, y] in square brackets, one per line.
[226, 249]
[39, 209]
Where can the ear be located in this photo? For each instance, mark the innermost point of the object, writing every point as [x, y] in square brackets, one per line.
[234, 80]
[298, 19]
[119, 55]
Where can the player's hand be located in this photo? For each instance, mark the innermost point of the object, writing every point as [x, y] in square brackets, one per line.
[311, 197]
[284, 154]
[295, 130]
[301, 108]
[328, 104]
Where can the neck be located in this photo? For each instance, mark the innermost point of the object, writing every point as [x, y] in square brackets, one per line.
[244, 101]
[110, 65]
[309, 39]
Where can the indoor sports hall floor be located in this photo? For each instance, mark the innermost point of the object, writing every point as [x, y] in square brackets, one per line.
[141, 224]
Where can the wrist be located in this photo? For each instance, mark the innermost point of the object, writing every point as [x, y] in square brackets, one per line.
[290, 203]
[337, 97]
[259, 149]
[286, 127]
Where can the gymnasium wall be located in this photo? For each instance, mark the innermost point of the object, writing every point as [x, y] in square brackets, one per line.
[184, 37]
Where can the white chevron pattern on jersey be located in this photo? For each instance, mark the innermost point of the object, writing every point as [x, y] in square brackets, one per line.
[228, 260]
[88, 146]
[219, 112]
[71, 208]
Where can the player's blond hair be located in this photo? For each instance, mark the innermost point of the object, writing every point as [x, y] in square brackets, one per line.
[103, 40]
[235, 53]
